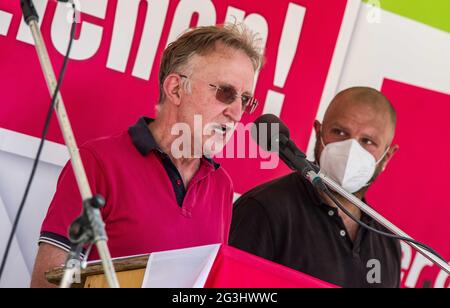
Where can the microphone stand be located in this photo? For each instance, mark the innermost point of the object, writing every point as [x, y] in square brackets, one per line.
[296, 160]
[315, 178]
[89, 227]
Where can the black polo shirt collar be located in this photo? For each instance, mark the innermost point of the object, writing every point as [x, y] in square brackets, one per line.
[142, 137]
[317, 201]
[332, 213]
[145, 143]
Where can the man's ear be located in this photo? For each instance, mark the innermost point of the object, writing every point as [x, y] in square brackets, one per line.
[171, 87]
[317, 128]
[389, 156]
[318, 144]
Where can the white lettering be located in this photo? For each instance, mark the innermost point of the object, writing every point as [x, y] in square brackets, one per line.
[289, 42]
[374, 275]
[150, 39]
[124, 32]
[198, 137]
[419, 263]
[181, 146]
[255, 22]
[24, 34]
[189, 298]
[406, 258]
[274, 103]
[186, 9]
[374, 14]
[5, 22]
[88, 43]
[287, 50]
[442, 278]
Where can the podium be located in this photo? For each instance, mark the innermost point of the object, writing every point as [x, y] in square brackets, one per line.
[130, 272]
[213, 266]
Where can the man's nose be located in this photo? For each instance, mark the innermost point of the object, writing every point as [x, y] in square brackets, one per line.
[234, 111]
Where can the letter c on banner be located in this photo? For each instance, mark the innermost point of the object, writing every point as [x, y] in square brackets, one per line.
[91, 35]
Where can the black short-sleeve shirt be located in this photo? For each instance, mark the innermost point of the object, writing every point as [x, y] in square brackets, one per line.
[286, 221]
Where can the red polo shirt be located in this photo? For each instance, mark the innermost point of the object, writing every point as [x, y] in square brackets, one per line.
[147, 207]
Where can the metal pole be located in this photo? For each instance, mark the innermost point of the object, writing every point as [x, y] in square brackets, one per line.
[79, 171]
[313, 177]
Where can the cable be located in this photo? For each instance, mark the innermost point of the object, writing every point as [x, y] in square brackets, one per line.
[41, 145]
[362, 224]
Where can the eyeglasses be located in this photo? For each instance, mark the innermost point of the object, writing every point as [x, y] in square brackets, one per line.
[228, 95]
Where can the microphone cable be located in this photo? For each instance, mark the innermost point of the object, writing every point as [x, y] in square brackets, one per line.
[365, 226]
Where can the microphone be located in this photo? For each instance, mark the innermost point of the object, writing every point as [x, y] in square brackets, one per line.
[272, 135]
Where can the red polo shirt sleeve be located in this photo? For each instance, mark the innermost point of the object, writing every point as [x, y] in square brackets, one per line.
[66, 205]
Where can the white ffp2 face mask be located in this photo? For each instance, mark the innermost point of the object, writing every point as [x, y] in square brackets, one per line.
[349, 164]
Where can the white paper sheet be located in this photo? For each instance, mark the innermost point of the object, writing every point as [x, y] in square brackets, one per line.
[183, 268]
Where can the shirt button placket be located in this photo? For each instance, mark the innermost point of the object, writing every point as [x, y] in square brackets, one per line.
[186, 213]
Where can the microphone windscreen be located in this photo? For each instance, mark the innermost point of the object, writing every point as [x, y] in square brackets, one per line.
[266, 128]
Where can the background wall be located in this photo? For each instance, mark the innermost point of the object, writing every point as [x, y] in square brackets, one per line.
[314, 49]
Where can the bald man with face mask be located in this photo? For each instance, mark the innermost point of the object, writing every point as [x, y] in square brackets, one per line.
[287, 221]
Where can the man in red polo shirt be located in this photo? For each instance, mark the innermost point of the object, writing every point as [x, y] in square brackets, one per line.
[157, 199]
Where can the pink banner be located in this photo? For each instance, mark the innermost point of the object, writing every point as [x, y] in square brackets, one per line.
[411, 193]
[102, 100]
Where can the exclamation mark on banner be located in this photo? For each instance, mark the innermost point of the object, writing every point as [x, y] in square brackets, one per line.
[5, 22]
[286, 53]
